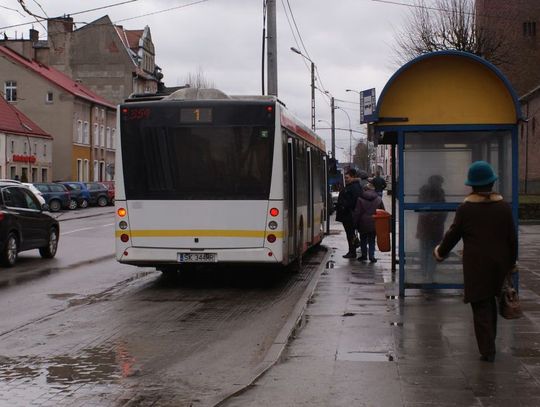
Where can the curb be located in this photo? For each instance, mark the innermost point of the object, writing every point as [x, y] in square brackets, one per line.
[93, 215]
[294, 322]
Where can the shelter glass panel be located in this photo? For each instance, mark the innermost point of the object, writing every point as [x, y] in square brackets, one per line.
[423, 231]
[436, 163]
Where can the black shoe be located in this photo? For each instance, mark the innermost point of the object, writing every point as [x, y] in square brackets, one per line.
[373, 260]
[487, 358]
[362, 258]
[349, 256]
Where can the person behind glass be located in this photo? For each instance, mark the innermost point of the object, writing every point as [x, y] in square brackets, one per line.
[366, 206]
[345, 206]
[485, 223]
[379, 183]
[430, 226]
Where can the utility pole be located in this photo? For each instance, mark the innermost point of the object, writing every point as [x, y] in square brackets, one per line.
[312, 96]
[272, 48]
[333, 127]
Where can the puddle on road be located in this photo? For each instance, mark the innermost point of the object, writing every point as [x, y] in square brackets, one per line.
[365, 356]
[105, 365]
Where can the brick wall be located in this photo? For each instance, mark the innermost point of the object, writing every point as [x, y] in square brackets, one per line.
[518, 23]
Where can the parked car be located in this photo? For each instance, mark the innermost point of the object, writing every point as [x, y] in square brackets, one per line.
[99, 193]
[24, 225]
[79, 192]
[110, 188]
[28, 185]
[56, 195]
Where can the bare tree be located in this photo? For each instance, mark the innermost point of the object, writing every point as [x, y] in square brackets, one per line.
[361, 156]
[448, 25]
[198, 80]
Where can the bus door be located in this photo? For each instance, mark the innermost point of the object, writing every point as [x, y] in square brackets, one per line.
[291, 202]
[310, 195]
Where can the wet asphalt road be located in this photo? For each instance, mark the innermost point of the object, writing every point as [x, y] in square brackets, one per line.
[83, 330]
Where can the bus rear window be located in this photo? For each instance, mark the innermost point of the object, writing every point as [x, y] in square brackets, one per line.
[197, 163]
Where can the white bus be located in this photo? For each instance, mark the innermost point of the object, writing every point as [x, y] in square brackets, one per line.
[203, 177]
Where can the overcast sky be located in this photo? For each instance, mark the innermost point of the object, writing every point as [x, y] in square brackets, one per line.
[350, 42]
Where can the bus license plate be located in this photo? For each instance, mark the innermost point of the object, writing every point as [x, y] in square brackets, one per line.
[197, 257]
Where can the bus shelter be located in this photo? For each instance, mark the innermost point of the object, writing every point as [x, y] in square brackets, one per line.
[441, 112]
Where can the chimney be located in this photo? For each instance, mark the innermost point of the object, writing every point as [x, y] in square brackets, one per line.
[34, 35]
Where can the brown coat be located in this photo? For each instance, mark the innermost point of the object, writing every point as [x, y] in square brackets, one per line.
[485, 223]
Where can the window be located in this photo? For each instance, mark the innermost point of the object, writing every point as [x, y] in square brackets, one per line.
[44, 150]
[102, 114]
[96, 134]
[35, 149]
[113, 139]
[529, 28]
[96, 173]
[12, 146]
[12, 172]
[10, 91]
[108, 141]
[79, 169]
[44, 175]
[86, 170]
[34, 174]
[79, 132]
[102, 136]
[25, 148]
[49, 97]
[85, 133]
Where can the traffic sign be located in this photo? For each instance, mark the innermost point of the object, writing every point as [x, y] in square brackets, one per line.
[367, 106]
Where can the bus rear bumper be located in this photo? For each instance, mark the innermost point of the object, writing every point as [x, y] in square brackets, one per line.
[140, 256]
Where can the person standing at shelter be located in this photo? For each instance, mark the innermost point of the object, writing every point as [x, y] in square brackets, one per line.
[379, 183]
[430, 226]
[366, 206]
[345, 206]
[485, 223]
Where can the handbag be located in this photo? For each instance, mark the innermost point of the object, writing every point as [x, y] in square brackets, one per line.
[509, 305]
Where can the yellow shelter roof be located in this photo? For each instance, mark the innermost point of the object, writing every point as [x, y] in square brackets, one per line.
[447, 88]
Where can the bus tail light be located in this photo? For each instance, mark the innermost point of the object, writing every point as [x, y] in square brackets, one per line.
[121, 212]
[274, 212]
[124, 237]
[2, 215]
[271, 238]
[272, 225]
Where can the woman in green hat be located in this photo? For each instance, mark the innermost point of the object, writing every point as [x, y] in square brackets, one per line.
[485, 223]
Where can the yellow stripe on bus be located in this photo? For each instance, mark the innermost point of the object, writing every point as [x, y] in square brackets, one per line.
[200, 233]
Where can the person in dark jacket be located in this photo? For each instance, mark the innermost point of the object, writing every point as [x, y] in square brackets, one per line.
[366, 205]
[430, 226]
[345, 206]
[379, 183]
[485, 223]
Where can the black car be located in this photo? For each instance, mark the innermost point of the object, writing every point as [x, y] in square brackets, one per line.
[56, 195]
[99, 193]
[24, 225]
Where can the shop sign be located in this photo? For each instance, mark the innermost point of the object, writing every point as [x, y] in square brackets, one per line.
[24, 158]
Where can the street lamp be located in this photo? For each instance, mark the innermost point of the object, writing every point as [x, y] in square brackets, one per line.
[360, 102]
[350, 132]
[296, 51]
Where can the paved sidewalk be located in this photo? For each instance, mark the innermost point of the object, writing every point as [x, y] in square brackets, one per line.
[362, 346]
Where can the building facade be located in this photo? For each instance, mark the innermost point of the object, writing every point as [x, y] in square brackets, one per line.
[109, 60]
[516, 24]
[26, 149]
[81, 122]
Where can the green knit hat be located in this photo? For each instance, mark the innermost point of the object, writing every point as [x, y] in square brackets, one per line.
[480, 173]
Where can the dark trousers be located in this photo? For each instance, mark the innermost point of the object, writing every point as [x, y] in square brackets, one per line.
[485, 325]
[367, 240]
[348, 225]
